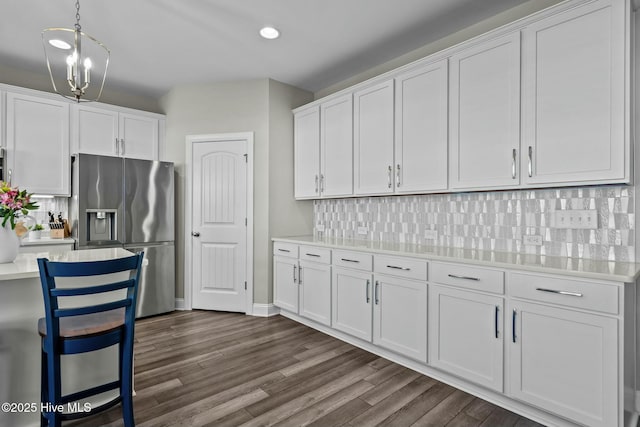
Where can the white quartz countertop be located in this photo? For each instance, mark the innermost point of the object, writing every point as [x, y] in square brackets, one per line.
[25, 265]
[46, 241]
[600, 270]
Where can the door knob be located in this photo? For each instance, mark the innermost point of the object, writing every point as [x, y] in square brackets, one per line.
[195, 234]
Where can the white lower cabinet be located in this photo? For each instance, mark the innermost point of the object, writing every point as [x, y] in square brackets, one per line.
[285, 283]
[466, 335]
[351, 302]
[565, 362]
[315, 291]
[400, 316]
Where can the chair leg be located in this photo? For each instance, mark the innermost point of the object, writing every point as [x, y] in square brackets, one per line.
[126, 389]
[43, 385]
[54, 388]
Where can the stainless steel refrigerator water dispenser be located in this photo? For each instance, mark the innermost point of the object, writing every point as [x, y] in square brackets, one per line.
[102, 226]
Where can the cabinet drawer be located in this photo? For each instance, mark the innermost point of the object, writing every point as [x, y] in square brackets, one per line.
[567, 292]
[315, 254]
[285, 249]
[468, 277]
[409, 268]
[357, 260]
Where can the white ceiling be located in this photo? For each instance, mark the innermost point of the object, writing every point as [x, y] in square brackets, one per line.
[158, 44]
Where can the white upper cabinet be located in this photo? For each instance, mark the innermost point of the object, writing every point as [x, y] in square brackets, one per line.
[574, 97]
[421, 129]
[336, 147]
[38, 144]
[107, 131]
[485, 114]
[307, 153]
[373, 139]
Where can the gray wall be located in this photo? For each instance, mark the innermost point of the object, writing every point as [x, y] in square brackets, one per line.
[245, 106]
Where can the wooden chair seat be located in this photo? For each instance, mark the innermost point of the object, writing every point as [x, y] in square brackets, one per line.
[86, 325]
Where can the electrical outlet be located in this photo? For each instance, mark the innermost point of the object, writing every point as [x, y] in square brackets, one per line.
[586, 219]
[533, 240]
[431, 234]
[363, 230]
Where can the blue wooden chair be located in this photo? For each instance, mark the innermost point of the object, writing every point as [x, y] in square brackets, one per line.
[88, 328]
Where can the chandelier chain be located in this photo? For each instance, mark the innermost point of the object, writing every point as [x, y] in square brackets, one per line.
[78, 15]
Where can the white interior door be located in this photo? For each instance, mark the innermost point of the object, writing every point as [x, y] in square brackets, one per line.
[219, 228]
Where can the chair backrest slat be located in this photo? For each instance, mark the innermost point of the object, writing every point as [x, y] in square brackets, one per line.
[91, 268]
[98, 308]
[67, 292]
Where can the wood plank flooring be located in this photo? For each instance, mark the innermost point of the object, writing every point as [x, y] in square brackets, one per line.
[199, 368]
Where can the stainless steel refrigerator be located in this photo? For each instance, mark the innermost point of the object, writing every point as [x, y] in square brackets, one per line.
[129, 203]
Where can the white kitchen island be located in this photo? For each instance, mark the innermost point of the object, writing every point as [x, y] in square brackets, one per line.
[21, 304]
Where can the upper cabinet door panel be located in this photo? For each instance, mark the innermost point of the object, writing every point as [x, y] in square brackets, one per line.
[138, 137]
[421, 129]
[574, 99]
[336, 149]
[373, 139]
[485, 114]
[94, 130]
[307, 153]
[38, 144]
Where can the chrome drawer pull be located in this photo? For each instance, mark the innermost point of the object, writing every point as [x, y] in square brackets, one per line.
[399, 268]
[284, 250]
[368, 298]
[315, 255]
[553, 291]
[295, 279]
[513, 164]
[349, 260]
[453, 276]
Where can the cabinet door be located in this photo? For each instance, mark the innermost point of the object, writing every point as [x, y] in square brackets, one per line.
[285, 283]
[565, 362]
[306, 139]
[485, 114]
[336, 147]
[38, 144]
[400, 316]
[466, 335]
[421, 129]
[574, 99]
[351, 310]
[315, 291]
[373, 139]
[138, 136]
[94, 130]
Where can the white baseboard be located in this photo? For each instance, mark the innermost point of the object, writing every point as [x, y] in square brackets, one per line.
[180, 304]
[265, 310]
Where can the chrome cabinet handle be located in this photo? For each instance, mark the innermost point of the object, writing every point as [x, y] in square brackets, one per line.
[377, 300]
[317, 183]
[122, 144]
[398, 175]
[321, 183]
[10, 173]
[553, 291]
[496, 321]
[453, 276]
[300, 275]
[513, 164]
[117, 147]
[368, 298]
[389, 174]
[295, 269]
[313, 255]
[530, 161]
[395, 267]
[513, 325]
[349, 260]
[284, 250]
[195, 234]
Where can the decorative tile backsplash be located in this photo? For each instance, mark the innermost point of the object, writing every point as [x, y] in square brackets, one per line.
[490, 221]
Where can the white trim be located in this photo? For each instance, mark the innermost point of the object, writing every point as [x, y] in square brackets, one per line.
[265, 310]
[190, 140]
[179, 304]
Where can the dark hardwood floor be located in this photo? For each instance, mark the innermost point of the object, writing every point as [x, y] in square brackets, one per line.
[197, 368]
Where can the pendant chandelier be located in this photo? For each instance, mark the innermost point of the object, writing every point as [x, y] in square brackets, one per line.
[76, 61]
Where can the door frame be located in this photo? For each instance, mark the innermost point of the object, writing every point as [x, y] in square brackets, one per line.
[188, 198]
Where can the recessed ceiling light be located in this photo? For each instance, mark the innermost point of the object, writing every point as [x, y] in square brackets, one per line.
[269, 33]
[60, 44]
